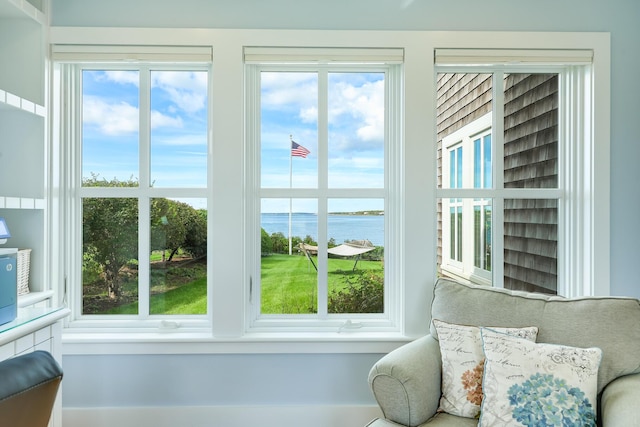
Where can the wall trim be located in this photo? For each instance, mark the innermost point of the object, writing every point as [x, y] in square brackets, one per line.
[223, 416]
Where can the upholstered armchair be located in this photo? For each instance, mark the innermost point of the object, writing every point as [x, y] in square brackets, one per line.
[407, 382]
[28, 387]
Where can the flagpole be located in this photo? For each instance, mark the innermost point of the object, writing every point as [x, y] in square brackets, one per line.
[290, 186]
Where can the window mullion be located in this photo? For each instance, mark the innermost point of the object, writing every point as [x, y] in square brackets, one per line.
[144, 201]
[323, 179]
[253, 204]
[498, 179]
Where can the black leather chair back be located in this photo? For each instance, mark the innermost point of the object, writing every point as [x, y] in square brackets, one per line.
[28, 387]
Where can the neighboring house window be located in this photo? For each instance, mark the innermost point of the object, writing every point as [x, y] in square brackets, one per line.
[455, 205]
[508, 119]
[140, 189]
[321, 214]
[469, 222]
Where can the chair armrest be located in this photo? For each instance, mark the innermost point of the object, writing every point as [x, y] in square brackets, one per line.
[406, 382]
[619, 402]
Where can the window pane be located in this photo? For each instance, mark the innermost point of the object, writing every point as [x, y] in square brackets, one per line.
[178, 269]
[482, 234]
[110, 124]
[110, 256]
[486, 167]
[356, 130]
[289, 248]
[531, 131]
[466, 254]
[356, 256]
[179, 128]
[531, 245]
[289, 113]
[463, 116]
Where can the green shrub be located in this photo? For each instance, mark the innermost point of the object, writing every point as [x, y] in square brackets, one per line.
[363, 293]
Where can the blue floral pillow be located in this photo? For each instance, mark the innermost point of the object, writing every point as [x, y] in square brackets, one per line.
[529, 384]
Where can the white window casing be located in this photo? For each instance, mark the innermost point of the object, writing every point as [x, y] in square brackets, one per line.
[411, 192]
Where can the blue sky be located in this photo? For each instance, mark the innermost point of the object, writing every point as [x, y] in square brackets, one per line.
[111, 111]
[289, 106]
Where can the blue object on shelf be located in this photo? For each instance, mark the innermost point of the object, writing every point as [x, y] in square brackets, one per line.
[8, 285]
[4, 231]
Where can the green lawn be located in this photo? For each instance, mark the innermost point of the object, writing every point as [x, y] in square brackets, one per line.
[289, 283]
[186, 299]
[289, 286]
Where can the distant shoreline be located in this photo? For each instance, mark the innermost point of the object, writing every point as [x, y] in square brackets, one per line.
[340, 226]
[357, 213]
[360, 213]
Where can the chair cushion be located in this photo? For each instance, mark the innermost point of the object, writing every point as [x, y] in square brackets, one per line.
[609, 323]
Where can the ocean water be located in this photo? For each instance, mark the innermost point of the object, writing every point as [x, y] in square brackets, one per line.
[340, 227]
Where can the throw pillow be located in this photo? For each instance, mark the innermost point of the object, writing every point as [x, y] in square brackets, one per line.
[533, 384]
[462, 365]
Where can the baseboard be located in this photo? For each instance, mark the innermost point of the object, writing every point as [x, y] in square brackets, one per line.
[221, 416]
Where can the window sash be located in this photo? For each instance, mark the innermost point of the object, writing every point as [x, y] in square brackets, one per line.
[575, 123]
[389, 320]
[71, 118]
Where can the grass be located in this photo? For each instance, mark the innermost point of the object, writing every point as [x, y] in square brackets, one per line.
[289, 286]
[289, 283]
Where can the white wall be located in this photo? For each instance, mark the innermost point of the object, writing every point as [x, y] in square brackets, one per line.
[330, 380]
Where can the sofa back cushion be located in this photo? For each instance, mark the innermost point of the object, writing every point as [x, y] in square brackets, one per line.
[609, 323]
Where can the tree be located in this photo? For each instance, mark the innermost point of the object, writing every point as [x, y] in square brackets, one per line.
[110, 231]
[177, 225]
[266, 244]
[196, 238]
[168, 230]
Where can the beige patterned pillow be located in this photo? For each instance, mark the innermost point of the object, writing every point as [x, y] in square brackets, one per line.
[537, 384]
[462, 365]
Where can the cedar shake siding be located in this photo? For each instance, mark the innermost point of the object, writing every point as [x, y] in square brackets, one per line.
[530, 161]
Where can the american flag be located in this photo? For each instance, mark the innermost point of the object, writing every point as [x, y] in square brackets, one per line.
[298, 150]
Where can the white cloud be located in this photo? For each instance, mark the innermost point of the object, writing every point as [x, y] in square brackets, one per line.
[187, 89]
[120, 77]
[159, 120]
[112, 119]
[364, 105]
[297, 92]
[356, 105]
[120, 118]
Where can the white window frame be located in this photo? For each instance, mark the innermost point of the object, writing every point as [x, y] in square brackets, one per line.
[325, 61]
[69, 76]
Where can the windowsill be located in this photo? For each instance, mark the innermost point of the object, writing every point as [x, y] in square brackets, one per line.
[97, 343]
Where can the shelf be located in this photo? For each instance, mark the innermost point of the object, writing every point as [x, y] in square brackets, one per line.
[20, 9]
[10, 101]
[21, 203]
[33, 298]
[24, 128]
